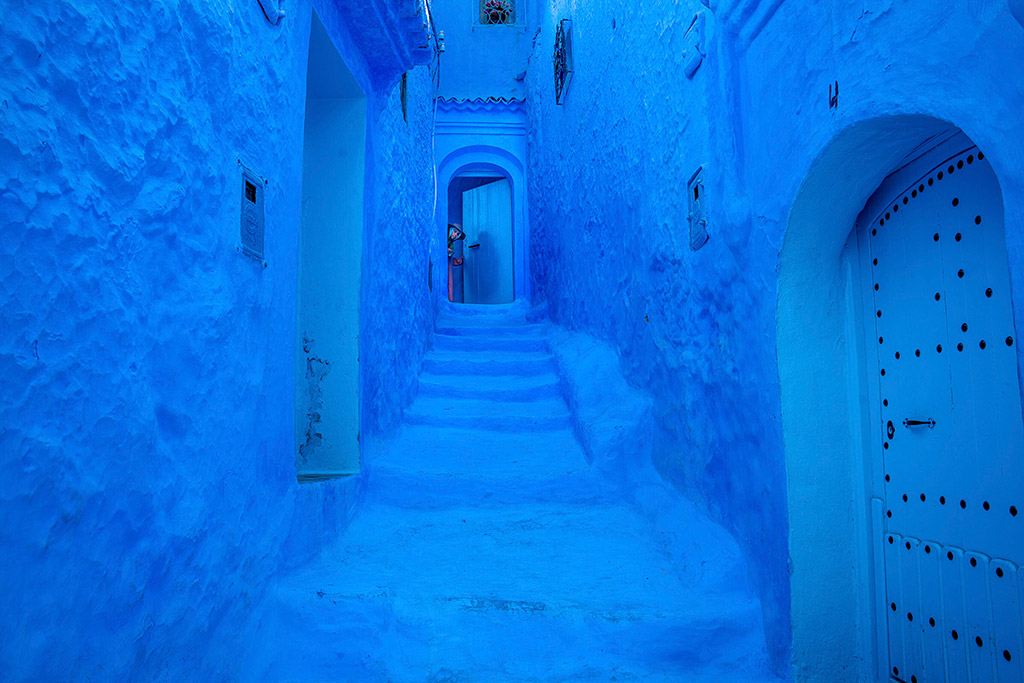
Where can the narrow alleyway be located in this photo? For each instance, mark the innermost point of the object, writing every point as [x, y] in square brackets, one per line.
[489, 549]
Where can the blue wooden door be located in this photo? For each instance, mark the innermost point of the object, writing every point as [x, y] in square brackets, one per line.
[487, 221]
[948, 419]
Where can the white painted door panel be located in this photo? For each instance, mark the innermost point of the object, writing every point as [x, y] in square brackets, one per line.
[487, 221]
[949, 418]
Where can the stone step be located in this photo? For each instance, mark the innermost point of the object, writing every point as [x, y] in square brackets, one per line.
[493, 387]
[460, 328]
[473, 343]
[443, 412]
[488, 363]
[520, 592]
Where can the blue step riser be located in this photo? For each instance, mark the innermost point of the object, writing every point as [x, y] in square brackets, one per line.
[497, 423]
[449, 342]
[488, 331]
[421, 492]
[529, 366]
[493, 394]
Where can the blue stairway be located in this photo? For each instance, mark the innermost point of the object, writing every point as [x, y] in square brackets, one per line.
[489, 549]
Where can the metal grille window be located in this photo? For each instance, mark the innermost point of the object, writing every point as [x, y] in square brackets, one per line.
[497, 12]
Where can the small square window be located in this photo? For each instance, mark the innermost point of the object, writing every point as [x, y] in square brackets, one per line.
[497, 12]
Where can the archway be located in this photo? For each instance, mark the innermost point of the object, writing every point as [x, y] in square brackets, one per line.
[486, 162]
[833, 488]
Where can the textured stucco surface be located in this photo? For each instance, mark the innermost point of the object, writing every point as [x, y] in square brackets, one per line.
[146, 399]
[697, 330]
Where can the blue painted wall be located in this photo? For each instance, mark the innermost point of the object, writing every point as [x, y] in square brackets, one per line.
[146, 401]
[483, 60]
[697, 330]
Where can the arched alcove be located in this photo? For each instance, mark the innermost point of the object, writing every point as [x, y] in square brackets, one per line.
[486, 160]
[823, 398]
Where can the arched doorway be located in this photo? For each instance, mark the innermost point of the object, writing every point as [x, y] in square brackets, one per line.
[853, 598]
[482, 166]
[944, 415]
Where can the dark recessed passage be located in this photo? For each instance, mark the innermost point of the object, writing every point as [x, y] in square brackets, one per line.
[956, 636]
[942, 500]
[917, 353]
[876, 286]
[981, 155]
[931, 621]
[988, 292]
[935, 237]
[883, 372]
[960, 347]
[905, 500]
[905, 200]
[1006, 655]
[950, 169]
[885, 445]
[888, 513]
[938, 348]
[914, 194]
[874, 231]
[999, 572]
[982, 343]
[890, 543]
[887, 477]
[963, 327]
[879, 340]
[922, 498]
[985, 505]
[910, 617]
[978, 641]
[963, 504]
[949, 556]
[1013, 508]
[958, 237]
[878, 313]
[928, 549]
[875, 262]
[974, 562]
[1009, 341]
[956, 201]
[939, 175]
[937, 296]
[960, 273]
[970, 159]
[920, 188]
[885, 401]
[907, 544]
[960, 164]
[897, 355]
[931, 182]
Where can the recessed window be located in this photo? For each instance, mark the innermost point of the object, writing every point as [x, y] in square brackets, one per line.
[497, 12]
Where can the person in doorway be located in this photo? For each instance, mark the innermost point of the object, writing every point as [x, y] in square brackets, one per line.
[455, 261]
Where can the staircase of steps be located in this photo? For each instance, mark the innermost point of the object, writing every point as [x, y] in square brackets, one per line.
[488, 549]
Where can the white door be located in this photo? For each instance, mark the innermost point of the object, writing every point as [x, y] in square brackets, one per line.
[948, 414]
[487, 222]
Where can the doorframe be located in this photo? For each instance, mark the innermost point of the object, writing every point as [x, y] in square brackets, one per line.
[485, 159]
[823, 401]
